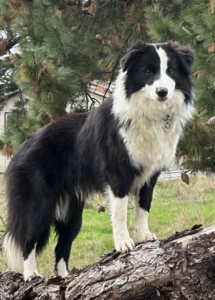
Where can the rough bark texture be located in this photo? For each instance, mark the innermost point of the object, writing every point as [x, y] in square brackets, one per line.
[181, 267]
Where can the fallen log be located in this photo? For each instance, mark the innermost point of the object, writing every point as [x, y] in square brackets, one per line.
[180, 267]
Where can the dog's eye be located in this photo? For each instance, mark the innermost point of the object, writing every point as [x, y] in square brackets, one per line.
[148, 71]
[170, 70]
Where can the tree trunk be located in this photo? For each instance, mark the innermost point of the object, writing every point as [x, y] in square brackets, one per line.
[181, 267]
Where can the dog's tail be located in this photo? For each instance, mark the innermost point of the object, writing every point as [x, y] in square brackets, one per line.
[13, 253]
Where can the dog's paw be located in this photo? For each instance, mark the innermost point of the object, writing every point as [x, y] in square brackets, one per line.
[124, 245]
[61, 268]
[30, 275]
[146, 236]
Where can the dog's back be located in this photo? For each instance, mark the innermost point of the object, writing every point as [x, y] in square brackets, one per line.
[49, 179]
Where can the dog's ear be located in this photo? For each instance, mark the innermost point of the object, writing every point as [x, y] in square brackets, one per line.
[131, 53]
[186, 53]
[125, 61]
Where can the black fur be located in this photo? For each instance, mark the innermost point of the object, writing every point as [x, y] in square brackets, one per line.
[74, 156]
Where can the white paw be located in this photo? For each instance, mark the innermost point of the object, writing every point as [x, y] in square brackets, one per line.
[124, 245]
[146, 236]
[63, 274]
[61, 268]
[30, 275]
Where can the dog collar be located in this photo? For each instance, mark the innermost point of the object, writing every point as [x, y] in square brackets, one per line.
[166, 123]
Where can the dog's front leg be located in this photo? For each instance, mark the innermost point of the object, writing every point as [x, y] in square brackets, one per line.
[143, 233]
[122, 240]
[143, 201]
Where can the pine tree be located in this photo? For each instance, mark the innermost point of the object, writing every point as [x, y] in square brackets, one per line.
[66, 44]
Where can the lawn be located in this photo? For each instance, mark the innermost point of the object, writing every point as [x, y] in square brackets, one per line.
[176, 206]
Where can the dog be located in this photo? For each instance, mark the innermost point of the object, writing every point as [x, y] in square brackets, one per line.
[118, 149]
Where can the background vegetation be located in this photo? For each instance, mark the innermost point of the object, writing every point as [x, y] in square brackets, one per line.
[65, 44]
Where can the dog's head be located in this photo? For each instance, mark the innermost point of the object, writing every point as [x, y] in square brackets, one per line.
[158, 70]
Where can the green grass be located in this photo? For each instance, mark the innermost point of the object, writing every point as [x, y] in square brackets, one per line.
[176, 206]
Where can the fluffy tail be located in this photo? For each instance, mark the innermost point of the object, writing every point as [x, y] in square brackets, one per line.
[13, 253]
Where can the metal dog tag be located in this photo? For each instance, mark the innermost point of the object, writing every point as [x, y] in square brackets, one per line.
[166, 123]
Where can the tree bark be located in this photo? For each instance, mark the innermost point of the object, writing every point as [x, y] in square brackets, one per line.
[180, 267]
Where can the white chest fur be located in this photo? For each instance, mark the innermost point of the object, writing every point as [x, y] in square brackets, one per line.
[149, 144]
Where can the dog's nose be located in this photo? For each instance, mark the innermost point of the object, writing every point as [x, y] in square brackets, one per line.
[161, 92]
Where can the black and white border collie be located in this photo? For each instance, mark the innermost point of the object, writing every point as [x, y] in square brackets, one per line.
[117, 149]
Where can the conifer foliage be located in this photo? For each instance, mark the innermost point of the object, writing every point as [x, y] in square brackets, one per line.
[67, 43]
